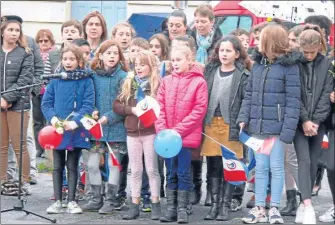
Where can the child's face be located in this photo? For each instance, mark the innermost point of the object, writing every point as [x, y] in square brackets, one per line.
[86, 52]
[244, 40]
[134, 49]
[69, 34]
[111, 57]
[256, 38]
[156, 48]
[310, 52]
[142, 69]
[180, 62]
[293, 41]
[123, 37]
[69, 61]
[227, 53]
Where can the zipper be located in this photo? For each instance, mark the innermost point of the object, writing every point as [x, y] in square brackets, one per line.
[4, 72]
[279, 112]
[232, 103]
[266, 74]
[174, 113]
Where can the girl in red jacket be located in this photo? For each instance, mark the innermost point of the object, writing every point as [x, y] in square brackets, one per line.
[183, 98]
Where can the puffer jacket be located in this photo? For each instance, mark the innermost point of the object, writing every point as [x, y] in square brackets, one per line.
[239, 84]
[17, 70]
[183, 99]
[272, 100]
[63, 97]
[316, 86]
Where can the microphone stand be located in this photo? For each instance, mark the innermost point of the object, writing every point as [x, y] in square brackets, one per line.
[19, 206]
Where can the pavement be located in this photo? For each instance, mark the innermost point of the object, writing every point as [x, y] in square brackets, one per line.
[40, 200]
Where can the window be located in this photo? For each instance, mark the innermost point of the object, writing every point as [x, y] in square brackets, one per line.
[229, 23]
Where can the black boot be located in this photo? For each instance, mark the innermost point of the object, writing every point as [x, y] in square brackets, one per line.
[291, 204]
[197, 181]
[170, 214]
[215, 199]
[96, 202]
[133, 212]
[109, 199]
[156, 211]
[226, 194]
[208, 200]
[183, 201]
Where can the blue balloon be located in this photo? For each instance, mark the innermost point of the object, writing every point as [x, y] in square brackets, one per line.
[168, 143]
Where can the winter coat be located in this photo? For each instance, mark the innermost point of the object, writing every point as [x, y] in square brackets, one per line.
[17, 70]
[316, 86]
[183, 99]
[63, 97]
[239, 84]
[271, 104]
[107, 88]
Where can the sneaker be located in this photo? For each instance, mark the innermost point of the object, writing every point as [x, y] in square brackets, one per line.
[309, 215]
[33, 180]
[55, 208]
[146, 204]
[275, 217]
[255, 215]
[26, 188]
[80, 194]
[53, 198]
[73, 208]
[119, 203]
[235, 205]
[328, 216]
[299, 218]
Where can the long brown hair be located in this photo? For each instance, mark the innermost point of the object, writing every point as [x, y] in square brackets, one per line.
[148, 58]
[76, 51]
[97, 62]
[102, 21]
[313, 36]
[22, 42]
[274, 42]
[164, 43]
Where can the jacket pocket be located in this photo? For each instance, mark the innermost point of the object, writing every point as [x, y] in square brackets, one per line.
[279, 112]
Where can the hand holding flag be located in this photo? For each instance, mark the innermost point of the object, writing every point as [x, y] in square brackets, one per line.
[260, 146]
[147, 108]
[92, 126]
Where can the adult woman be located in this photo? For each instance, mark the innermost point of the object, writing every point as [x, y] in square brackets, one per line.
[17, 68]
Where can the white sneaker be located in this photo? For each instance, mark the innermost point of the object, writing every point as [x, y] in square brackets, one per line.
[26, 188]
[255, 215]
[328, 216]
[73, 208]
[309, 215]
[299, 218]
[55, 208]
[275, 217]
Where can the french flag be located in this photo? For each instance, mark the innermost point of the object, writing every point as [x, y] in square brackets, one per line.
[115, 162]
[93, 127]
[147, 108]
[325, 142]
[233, 169]
[260, 146]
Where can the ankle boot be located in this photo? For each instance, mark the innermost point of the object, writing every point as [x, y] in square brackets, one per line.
[183, 201]
[133, 212]
[197, 181]
[226, 196]
[170, 214]
[215, 198]
[156, 211]
[108, 207]
[291, 204]
[94, 203]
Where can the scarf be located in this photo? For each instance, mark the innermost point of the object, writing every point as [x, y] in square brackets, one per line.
[107, 73]
[203, 45]
[45, 54]
[142, 83]
[76, 74]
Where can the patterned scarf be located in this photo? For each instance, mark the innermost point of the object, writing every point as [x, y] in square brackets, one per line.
[76, 74]
[204, 43]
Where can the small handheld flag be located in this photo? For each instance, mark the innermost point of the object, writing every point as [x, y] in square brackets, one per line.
[93, 127]
[260, 146]
[115, 162]
[325, 142]
[147, 108]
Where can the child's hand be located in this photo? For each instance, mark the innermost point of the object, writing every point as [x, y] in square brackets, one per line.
[70, 125]
[242, 126]
[134, 111]
[332, 97]
[4, 104]
[95, 115]
[103, 120]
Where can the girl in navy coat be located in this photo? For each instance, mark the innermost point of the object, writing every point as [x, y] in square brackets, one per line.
[64, 104]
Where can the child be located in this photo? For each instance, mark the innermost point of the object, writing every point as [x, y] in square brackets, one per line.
[110, 69]
[226, 75]
[316, 86]
[243, 35]
[159, 46]
[137, 44]
[270, 108]
[123, 33]
[84, 47]
[139, 138]
[293, 36]
[186, 88]
[68, 100]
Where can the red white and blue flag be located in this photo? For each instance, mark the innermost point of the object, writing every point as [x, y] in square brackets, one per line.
[252, 170]
[115, 162]
[325, 142]
[147, 108]
[260, 146]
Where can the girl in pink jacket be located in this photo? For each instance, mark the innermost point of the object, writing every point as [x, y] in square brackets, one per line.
[183, 98]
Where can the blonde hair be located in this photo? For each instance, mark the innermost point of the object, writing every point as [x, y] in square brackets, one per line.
[123, 24]
[22, 42]
[185, 50]
[313, 36]
[147, 58]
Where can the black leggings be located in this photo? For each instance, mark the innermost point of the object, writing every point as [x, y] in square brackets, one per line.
[331, 164]
[71, 160]
[214, 166]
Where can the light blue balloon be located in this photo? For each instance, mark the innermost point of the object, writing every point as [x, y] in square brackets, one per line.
[168, 143]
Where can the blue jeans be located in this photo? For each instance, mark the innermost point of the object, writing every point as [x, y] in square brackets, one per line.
[178, 171]
[275, 162]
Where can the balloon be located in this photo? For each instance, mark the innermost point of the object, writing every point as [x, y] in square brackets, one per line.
[48, 138]
[168, 143]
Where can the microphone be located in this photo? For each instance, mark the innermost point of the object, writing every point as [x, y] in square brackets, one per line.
[61, 75]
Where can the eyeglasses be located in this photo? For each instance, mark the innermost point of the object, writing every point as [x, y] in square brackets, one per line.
[43, 41]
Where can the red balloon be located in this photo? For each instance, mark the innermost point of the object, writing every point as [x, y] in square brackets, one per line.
[49, 138]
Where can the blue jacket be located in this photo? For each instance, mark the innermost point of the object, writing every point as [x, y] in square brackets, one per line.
[272, 100]
[107, 88]
[61, 98]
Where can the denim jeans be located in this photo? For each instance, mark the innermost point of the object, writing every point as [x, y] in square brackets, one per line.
[275, 162]
[179, 171]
